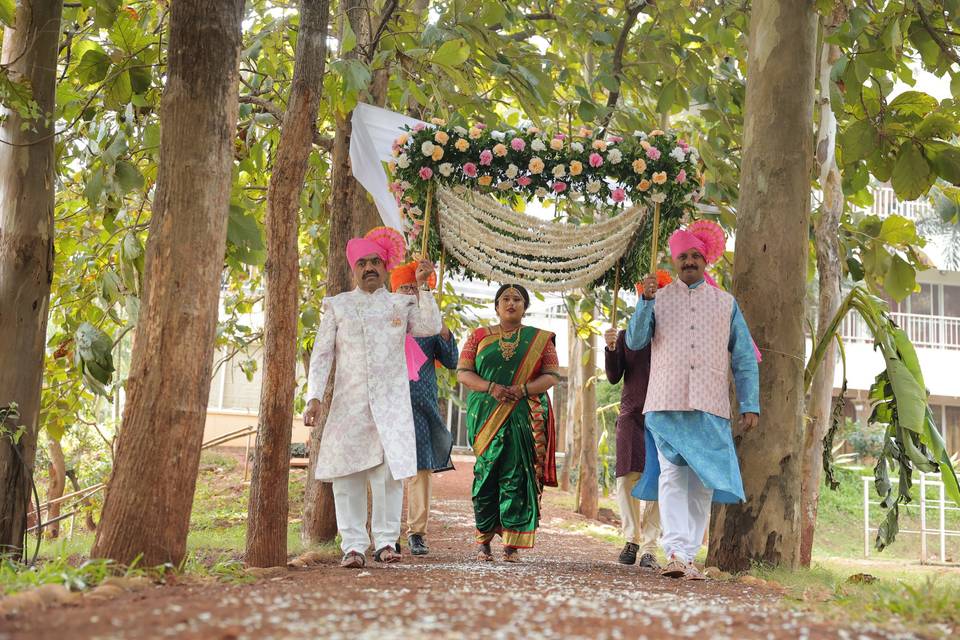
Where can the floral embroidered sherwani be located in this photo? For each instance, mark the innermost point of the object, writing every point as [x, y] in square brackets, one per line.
[370, 417]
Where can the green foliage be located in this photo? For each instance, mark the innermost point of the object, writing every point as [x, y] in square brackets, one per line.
[899, 400]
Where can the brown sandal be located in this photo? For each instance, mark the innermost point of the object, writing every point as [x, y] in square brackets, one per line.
[387, 555]
[485, 555]
[511, 555]
[353, 560]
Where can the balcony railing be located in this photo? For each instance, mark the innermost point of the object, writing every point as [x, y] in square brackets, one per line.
[930, 332]
[885, 203]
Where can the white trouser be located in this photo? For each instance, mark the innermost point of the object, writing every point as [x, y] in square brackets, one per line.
[350, 498]
[640, 520]
[684, 510]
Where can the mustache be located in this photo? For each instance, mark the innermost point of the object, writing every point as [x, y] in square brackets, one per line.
[690, 266]
[369, 273]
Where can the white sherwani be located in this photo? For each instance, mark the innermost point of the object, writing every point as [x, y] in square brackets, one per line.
[370, 417]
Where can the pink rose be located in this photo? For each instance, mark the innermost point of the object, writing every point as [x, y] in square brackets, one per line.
[559, 187]
[560, 136]
[486, 157]
[524, 181]
[419, 126]
[426, 173]
[682, 176]
[518, 144]
[480, 125]
[683, 144]
[615, 139]
[618, 194]
[470, 169]
[653, 153]
[596, 160]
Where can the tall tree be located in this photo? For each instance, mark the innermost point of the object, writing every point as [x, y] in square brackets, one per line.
[146, 512]
[269, 506]
[27, 178]
[826, 229]
[769, 282]
[587, 488]
[351, 214]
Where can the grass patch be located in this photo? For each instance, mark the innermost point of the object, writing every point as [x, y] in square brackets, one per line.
[923, 597]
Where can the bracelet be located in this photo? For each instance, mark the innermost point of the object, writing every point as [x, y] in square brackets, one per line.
[526, 393]
[490, 386]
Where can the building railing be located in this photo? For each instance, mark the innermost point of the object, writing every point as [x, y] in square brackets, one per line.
[931, 332]
[885, 203]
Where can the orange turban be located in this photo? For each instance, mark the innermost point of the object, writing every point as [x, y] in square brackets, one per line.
[407, 274]
[404, 274]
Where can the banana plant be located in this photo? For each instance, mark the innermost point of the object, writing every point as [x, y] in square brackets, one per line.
[899, 400]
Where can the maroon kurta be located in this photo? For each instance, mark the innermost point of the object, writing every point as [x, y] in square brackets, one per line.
[634, 368]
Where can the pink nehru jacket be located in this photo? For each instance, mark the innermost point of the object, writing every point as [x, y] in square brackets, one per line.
[360, 247]
[689, 351]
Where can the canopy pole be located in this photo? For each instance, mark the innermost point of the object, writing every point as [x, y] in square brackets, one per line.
[426, 222]
[616, 295]
[443, 255]
[654, 240]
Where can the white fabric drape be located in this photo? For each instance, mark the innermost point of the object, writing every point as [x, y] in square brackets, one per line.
[374, 130]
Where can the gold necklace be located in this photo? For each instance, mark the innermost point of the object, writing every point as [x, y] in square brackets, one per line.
[508, 347]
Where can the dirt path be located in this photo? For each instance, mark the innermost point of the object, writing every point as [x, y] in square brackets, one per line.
[568, 587]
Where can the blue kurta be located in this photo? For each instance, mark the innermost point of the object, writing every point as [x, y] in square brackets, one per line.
[434, 440]
[697, 438]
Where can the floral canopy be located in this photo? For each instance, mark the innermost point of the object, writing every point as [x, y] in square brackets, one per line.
[462, 184]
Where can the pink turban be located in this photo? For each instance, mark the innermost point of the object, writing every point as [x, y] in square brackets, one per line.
[682, 240]
[703, 235]
[382, 241]
[360, 247]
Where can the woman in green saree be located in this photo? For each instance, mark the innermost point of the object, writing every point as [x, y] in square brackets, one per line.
[509, 368]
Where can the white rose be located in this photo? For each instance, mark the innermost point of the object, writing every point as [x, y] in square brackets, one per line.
[405, 185]
[415, 212]
[403, 161]
[614, 156]
[678, 154]
[559, 171]
[506, 184]
[427, 148]
[445, 169]
[498, 135]
[537, 145]
[659, 197]
[512, 171]
[541, 192]
[640, 134]
[593, 186]
[577, 147]
[694, 154]
[461, 131]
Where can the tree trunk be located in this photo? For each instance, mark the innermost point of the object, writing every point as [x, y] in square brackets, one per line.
[826, 239]
[146, 511]
[587, 496]
[27, 176]
[351, 214]
[56, 483]
[769, 283]
[268, 507]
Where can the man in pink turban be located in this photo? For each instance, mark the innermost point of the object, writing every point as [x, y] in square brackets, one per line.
[368, 439]
[697, 336]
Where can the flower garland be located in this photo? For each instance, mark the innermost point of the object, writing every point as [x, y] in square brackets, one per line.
[554, 262]
[604, 171]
